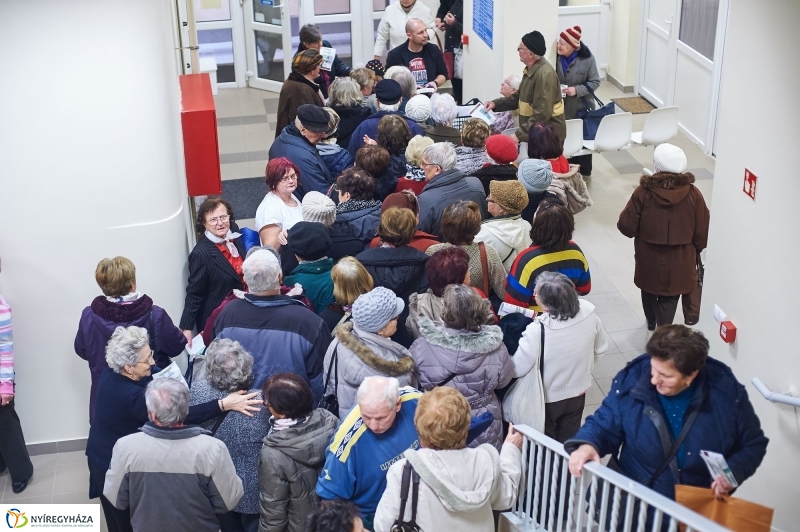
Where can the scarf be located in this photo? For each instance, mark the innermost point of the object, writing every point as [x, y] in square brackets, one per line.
[130, 298]
[228, 241]
[277, 425]
[567, 61]
[414, 173]
[356, 205]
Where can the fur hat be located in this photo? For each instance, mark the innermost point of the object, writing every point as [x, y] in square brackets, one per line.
[317, 207]
[535, 174]
[668, 158]
[418, 108]
[501, 149]
[572, 36]
[306, 61]
[309, 240]
[534, 41]
[373, 310]
[511, 196]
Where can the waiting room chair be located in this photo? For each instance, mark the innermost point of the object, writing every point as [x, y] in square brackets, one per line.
[573, 144]
[661, 126]
[613, 134]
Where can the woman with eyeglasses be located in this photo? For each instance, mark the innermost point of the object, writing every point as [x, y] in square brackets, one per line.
[215, 264]
[280, 209]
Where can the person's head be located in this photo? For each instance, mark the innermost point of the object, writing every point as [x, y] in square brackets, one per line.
[229, 368]
[397, 226]
[535, 175]
[415, 147]
[282, 176]
[350, 280]
[443, 109]
[461, 221]
[445, 267]
[407, 4]
[365, 78]
[501, 149]
[215, 216]
[309, 241]
[373, 159]
[116, 277]
[417, 32]
[532, 48]
[510, 85]
[167, 402]
[389, 95]
[344, 92]
[474, 133]
[262, 272]
[307, 63]
[288, 396]
[569, 40]
[393, 134]
[668, 158]
[418, 108]
[442, 419]
[128, 352]
[506, 197]
[312, 122]
[378, 399]
[552, 227]
[463, 308]
[355, 183]
[555, 293]
[377, 311]
[311, 37]
[333, 122]
[317, 207]
[405, 78]
[377, 68]
[677, 354]
[543, 141]
[337, 515]
[437, 158]
[405, 199]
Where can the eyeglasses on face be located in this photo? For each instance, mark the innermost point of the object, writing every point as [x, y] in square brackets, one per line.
[218, 219]
[289, 178]
[149, 360]
[425, 165]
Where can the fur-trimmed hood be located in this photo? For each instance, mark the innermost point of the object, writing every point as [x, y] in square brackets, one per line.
[668, 188]
[489, 338]
[357, 341]
[571, 189]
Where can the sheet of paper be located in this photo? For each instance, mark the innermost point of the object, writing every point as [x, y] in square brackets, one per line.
[197, 346]
[480, 112]
[171, 372]
[508, 308]
[328, 54]
[718, 467]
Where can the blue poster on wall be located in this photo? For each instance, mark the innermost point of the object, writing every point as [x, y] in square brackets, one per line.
[483, 20]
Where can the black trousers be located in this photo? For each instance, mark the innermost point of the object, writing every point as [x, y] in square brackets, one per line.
[562, 419]
[659, 309]
[117, 520]
[585, 162]
[458, 89]
[13, 453]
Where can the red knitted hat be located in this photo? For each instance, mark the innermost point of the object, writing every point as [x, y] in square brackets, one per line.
[572, 36]
[501, 149]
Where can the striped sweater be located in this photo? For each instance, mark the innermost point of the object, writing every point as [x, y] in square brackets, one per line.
[531, 262]
[6, 349]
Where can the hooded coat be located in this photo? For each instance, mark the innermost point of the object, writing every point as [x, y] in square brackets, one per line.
[336, 158]
[353, 230]
[429, 305]
[480, 362]
[360, 355]
[508, 235]
[668, 219]
[458, 489]
[571, 189]
[288, 466]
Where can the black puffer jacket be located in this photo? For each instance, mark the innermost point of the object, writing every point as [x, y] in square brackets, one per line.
[349, 119]
[495, 172]
[352, 231]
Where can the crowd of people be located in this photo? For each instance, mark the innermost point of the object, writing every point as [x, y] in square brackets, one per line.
[413, 294]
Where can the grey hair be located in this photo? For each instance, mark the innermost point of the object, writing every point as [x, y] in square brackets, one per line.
[376, 390]
[124, 345]
[265, 248]
[443, 109]
[405, 78]
[229, 367]
[344, 92]
[537, 56]
[168, 400]
[514, 81]
[442, 154]
[557, 292]
[310, 34]
[463, 309]
[262, 271]
[333, 122]
[388, 107]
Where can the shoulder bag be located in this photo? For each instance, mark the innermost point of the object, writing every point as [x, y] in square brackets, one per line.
[592, 117]
[484, 268]
[501, 392]
[408, 526]
[330, 402]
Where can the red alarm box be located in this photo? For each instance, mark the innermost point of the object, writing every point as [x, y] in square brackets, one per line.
[727, 331]
[200, 145]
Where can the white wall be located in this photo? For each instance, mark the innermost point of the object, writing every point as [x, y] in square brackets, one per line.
[624, 49]
[91, 166]
[754, 247]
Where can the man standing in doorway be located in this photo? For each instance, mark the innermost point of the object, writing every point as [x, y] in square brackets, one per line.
[424, 59]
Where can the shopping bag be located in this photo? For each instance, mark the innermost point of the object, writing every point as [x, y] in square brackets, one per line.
[592, 117]
[737, 514]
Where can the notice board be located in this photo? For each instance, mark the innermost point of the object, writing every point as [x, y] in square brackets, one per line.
[483, 20]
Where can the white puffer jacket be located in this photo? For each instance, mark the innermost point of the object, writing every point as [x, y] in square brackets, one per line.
[508, 235]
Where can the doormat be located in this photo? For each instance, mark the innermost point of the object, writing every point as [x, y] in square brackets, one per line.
[635, 105]
[245, 195]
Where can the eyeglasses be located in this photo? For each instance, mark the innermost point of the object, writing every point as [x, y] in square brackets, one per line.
[149, 360]
[218, 219]
[522, 49]
[423, 165]
[289, 178]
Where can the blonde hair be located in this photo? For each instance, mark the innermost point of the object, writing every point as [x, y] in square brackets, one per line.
[442, 419]
[415, 148]
[333, 122]
[350, 280]
[115, 276]
[364, 77]
[397, 226]
[474, 133]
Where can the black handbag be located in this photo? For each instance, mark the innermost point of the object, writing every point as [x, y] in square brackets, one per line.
[330, 402]
[592, 117]
[409, 476]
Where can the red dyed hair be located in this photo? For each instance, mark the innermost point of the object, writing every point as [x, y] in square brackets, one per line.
[446, 266]
[276, 170]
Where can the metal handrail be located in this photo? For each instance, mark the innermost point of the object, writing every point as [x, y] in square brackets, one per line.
[552, 500]
[775, 397]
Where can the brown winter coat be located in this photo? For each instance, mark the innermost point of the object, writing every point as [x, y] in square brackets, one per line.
[296, 91]
[668, 219]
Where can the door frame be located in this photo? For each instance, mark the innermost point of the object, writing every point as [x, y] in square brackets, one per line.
[249, 26]
[602, 11]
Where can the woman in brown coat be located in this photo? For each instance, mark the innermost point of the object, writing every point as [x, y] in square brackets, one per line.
[299, 88]
[668, 219]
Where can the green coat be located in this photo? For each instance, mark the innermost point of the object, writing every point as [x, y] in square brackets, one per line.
[315, 278]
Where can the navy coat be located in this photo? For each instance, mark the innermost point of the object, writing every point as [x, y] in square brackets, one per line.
[314, 174]
[370, 127]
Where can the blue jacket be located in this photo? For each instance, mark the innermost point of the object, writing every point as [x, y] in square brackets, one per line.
[314, 175]
[352, 231]
[370, 127]
[631, 415]
[336, 158]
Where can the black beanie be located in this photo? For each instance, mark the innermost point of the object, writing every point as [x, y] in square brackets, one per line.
[534, 41]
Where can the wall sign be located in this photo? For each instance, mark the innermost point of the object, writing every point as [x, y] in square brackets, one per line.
[750, 181]
[483, 20]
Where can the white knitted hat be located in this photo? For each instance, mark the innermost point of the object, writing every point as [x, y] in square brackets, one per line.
[418, 108]
[317, 207]
[668, 158]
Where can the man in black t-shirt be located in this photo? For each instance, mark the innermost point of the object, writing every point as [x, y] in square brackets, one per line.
[424, 59]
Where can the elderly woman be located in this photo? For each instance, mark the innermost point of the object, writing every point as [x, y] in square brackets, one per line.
[394, 135]
[668, 219]
[280, 209]
[366, 80]
[502, 152]
[414, 178]
[229, 368]
[299, 88]
[552, 250]
[506, 231]
[461, 222]
[504, 120]
[465, 353]
[215, 264]
[654, 401]
[443, 112]
[336, 158]
[376, 161]
[357, 214]
[418, 109]
[293, 453]
[407, 200]
[459, 486]
[345, 97]
[122, 305]
[396, 265]
[472, 152]
[121, 409]
[550, 392]
[363, 348]
[350, 280]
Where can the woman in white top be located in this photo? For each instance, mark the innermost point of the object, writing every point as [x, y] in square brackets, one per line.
[550, 394]
[280, 209]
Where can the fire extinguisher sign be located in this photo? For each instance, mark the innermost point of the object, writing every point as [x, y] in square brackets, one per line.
[749, 187]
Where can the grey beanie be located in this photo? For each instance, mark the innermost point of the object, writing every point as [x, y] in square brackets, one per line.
[373, 310]
[317, 207]
[535, 174]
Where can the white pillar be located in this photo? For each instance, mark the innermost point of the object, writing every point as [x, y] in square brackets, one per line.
[91, 166]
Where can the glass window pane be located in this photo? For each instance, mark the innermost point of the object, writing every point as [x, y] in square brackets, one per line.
[211, 10]
[699, 25]
[331, 7]
[338, 34]
[219, 44]
[380, 5]
[266, 14]
[578, 2]
[269, 55]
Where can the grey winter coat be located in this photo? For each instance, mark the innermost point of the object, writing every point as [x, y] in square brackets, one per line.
[479, 361]
[582, 70]
[288, 467]
[361, 355]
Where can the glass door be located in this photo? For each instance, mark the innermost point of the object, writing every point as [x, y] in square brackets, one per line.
[338, 20]
[218, 33]
[269, 26]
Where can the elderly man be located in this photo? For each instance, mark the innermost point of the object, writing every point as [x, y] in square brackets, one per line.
[538, 98]
[172, 476]
[423, 59]
[298, 143]
[445, 185]
[281, 333]
[372, 437]
[392, 28]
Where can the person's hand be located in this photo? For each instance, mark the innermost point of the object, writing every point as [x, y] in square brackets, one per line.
[721, 487]
[439, 24]
[376, 57]
[242, 402]
[449, 19]
[369, 141]
[433, 85]
[570, 91]
[580, 456]
[188, 334]
[514, 437]
[489, 105]
[283, 237]
[6, 398]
